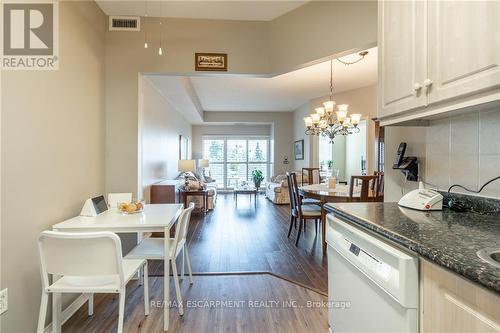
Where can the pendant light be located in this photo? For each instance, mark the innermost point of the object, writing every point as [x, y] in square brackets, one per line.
[145, 25]
[160, 50]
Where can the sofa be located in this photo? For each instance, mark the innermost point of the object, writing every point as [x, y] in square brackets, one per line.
[196, 181]
[277, 188]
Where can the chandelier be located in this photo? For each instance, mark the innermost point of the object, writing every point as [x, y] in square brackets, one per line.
[332, 120]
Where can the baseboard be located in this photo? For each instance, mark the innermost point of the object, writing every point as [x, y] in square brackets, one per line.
[69, 311]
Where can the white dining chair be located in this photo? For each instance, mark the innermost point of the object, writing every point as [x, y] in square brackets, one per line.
[116, 198]
[153, 249]
[85, 263]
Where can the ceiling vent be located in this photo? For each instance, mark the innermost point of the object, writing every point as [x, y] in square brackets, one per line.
[124, 23]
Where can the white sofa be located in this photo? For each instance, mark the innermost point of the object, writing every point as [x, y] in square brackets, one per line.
[198, 201]
[277, 188]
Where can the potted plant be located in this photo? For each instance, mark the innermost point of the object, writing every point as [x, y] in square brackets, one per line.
[330, 166]
[257, 178]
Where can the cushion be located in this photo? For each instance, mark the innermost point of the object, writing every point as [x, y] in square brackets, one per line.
[311, 210]
[193, 185]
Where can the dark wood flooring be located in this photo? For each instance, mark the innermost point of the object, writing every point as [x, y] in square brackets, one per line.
[260, 304]
[230, 239]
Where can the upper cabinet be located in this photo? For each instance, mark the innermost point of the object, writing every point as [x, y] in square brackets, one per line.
[437, 55]
[402, 56]
[464, 47]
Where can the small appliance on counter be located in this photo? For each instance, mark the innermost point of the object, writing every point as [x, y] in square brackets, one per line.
[407, 164]
[422, 199]
[94, 206]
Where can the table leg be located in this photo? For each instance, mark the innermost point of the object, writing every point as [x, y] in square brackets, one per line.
[166, 280]
[185, 200]
[323, 228]
[205, 202]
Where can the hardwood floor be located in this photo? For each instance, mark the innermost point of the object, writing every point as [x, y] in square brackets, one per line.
[260, 304]
[230, 239]
[245, 238]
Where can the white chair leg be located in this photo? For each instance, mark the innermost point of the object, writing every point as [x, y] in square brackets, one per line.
[56, 313]
[121, 311]
[43, 312]
[182, 263]
[177, 288]
[91, 304]
[146, 289]
[188, 261]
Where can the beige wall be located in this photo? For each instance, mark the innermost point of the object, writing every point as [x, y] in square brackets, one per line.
[160, 127]
[320, 29]
[289, 42]
[362, 100]
[299, 134]
[281, 132]
[52, 152]
[126, 58]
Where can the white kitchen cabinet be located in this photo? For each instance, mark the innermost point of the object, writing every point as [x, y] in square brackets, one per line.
[437, 56]
[402, 55]
[451, 304]
[464, 48]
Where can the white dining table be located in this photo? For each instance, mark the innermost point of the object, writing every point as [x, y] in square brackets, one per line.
[153, 218]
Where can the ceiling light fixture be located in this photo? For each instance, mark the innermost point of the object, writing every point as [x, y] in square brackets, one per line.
[330, 122]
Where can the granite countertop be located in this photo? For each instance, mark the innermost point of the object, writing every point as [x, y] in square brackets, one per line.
[447, 238]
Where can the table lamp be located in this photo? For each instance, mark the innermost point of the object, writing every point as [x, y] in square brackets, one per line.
[186, 166]
[203, 164]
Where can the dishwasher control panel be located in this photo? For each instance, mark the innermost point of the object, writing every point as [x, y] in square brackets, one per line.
[369, 261]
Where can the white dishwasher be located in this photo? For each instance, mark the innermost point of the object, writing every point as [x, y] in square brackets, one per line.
[372, 286]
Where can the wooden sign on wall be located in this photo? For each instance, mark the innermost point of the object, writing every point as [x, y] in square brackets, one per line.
[211, 62]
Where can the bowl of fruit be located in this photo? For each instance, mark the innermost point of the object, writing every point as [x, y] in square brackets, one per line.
[131, 207]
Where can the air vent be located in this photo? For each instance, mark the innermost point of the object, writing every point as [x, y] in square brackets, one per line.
[124, 23]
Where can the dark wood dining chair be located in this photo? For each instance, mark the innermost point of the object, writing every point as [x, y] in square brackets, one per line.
[293, 214]
[313, 176]
[366, 194]
[377, 187]
[302, 212]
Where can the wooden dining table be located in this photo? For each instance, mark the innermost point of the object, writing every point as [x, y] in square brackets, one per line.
[325, 194]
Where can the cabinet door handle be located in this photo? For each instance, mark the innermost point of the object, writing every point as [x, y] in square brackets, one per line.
[428, 83]
[417, 87]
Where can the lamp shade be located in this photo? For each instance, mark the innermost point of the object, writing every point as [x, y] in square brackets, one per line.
[186, 165]
[203, 163]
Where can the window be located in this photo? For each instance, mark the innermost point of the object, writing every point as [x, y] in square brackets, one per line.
[232, 159]
[213, 150]
[325, 153]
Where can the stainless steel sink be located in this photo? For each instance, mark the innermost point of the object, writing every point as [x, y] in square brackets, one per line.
[490, 255]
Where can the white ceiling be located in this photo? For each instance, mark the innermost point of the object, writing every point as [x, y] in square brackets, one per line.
[257, 10]
[284, 92]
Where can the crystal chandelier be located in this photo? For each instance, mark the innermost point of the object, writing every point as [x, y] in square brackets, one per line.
[329, 122]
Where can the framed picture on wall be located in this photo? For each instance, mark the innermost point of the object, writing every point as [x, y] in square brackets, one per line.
[211, 62]
[183, 147]
[298, 149]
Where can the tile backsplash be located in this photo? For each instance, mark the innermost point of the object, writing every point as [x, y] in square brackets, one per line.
[464, 150]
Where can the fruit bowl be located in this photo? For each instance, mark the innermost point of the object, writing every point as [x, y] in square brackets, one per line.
[130, 208]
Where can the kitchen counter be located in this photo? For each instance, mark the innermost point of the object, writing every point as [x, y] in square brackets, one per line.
[447, 238]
